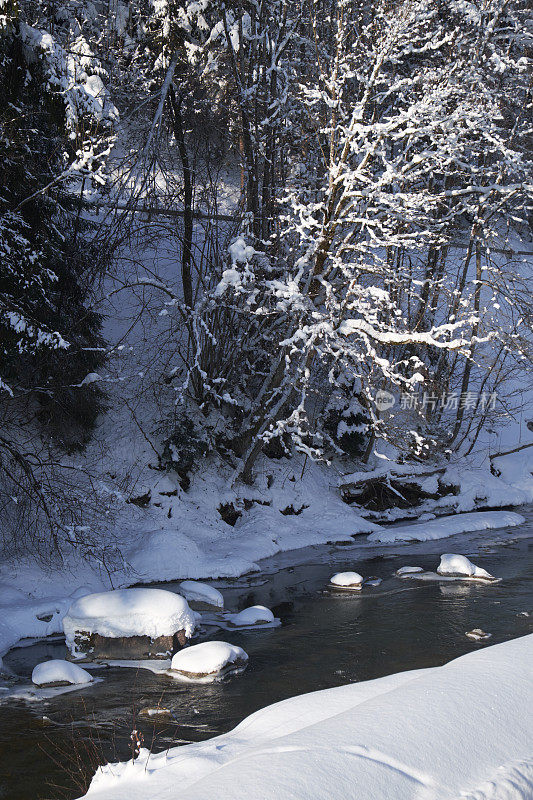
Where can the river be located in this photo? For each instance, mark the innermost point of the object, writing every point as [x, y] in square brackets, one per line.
[47, 749]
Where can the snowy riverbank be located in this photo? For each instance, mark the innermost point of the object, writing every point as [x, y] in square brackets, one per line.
[184, 536]
[463, 729]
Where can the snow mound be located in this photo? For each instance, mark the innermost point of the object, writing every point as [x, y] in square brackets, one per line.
[460, 730]
[254, 615]
[194, 591]
[59, 672]
[209, 660]
[347, 580]
[455, 564]
[447, 526]
[130, 612]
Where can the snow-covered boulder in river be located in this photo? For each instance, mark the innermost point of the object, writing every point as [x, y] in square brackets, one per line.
[403, 571]
[128, 624]
[201, 594]
[455, 565]
[208, 661]
[477, 634]
[347, 581]
[252, 617]
[59, 673]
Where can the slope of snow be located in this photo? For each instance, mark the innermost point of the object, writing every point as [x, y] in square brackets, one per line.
[447, 526]
[461, 730]
[130, 612]
[58, 670]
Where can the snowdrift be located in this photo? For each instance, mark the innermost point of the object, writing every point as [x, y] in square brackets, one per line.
[447, 526]
[461, 730]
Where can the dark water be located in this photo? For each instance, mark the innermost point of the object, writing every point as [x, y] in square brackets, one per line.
[324, 641]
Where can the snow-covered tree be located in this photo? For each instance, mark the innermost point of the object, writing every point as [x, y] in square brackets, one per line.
[56, 125]
[417, 128]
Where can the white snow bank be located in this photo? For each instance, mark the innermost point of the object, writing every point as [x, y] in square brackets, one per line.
[351, 580]
[479, 488]
[253, 615]
[447, 526]
[455, 564]
[58, 671]
[461, 730]
[208, 659]
[201, 593]
[194, 542]
[22, 616]
[130, 612]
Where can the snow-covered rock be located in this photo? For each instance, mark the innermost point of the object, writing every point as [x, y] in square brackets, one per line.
[251, 617]
[59, 673]
[456, 565]
[156, 713]
[197, 592]
[208, 661]
[477, 634]
[447, 526]
[145, 619]
[372, 581]
[460, 730]
[408, 571]
[347, 580]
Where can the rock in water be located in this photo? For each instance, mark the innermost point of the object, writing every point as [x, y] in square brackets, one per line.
[453, 564]
[202, 594]
[477, 634]
[408, 571]
[347, 581]
[252, 617]
[128, 624]
[156, 714]
[208, 661]
[59, 673]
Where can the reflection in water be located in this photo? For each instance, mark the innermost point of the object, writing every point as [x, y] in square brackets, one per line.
[324, 641]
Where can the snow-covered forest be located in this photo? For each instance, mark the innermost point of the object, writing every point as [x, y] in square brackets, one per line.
[266, 276]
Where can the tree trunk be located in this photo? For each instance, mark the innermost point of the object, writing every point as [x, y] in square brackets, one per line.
[188, 220]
